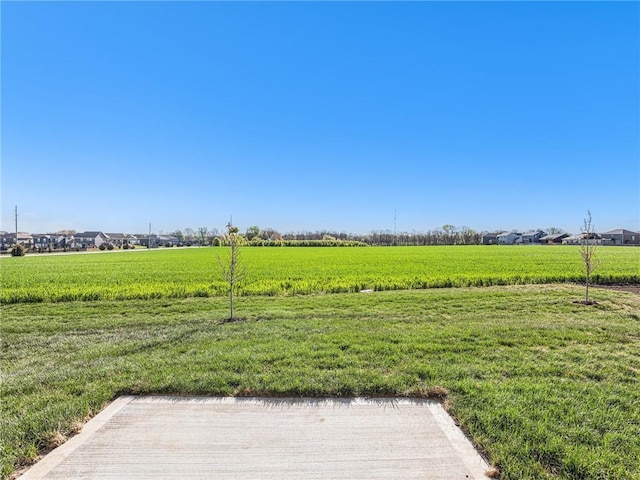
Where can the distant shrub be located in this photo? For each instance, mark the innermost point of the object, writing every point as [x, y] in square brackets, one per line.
[110, 246]
[18, 251]
[102, 247]
[309, 243]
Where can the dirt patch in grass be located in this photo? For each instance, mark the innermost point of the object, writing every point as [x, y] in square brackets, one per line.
[585, 302]
[632, 288]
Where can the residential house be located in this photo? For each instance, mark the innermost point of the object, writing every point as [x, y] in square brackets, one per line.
[89, 239]
[508, 238]
[490, 239]
[167, 240]
[115, 239]
[620, 237]
[156, 240]
[121, 239]
[41, 240]
[554, 238]
[7, 240]
[64, 241]
[594, 239]
[143, 239]
[530, 238]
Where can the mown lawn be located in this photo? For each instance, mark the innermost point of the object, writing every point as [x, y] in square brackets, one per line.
[546, 388]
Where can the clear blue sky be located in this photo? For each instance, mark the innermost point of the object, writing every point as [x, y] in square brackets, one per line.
[320, 115]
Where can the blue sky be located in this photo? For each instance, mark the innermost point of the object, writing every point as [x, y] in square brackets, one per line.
[320, 115]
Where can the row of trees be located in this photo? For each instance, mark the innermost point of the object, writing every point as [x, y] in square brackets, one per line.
[198, 236]
[448, 235]
[256, 236]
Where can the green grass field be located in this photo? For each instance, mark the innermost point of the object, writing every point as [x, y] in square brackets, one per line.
[173, 273]
[545, 387]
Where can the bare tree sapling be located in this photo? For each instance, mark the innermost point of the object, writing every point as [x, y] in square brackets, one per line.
[232, 268]
[588, 249]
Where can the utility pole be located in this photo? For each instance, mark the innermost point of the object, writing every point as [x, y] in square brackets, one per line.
[395, 229]
[16, 211]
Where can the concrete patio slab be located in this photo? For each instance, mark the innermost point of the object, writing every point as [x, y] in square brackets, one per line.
[265, 438]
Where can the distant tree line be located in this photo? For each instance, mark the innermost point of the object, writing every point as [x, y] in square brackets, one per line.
[256, 236]
[199, 236]
[448, 235]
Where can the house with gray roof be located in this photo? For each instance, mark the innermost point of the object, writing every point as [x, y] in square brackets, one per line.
[168, 240]
[591, 239]
[89, 239]
[508, 238]
[490, 239]
[7, 240]
[554, 238]
[121, 239]
[531, 238]
[620, 236]
[43, 240]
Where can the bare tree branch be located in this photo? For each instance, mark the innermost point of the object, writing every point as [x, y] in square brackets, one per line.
[588, 248]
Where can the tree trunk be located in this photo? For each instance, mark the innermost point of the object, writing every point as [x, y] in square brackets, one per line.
[586, 299]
